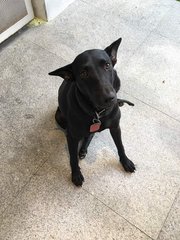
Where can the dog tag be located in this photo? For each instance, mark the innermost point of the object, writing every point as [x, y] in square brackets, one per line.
[95, 126]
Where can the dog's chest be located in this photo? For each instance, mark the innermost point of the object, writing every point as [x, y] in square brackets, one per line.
[109, 121]
[81, 124]
[106, 123]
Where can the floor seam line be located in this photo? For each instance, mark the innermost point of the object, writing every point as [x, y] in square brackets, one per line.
[152, 30]
[117, 213]
[163, 36]
[44, 49]
[151, 106]
[126, 22]
[22, 188]
[168, 213]
[122, 91]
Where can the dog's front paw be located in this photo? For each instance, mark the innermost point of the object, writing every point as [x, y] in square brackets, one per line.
[77, 178]
[128, 165]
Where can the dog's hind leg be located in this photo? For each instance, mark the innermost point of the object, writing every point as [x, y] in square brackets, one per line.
[60, 119]
[85, 144]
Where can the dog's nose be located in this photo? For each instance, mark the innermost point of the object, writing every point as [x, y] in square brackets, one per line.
[110, 98]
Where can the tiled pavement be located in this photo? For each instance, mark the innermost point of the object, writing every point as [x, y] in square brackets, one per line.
[37, 199]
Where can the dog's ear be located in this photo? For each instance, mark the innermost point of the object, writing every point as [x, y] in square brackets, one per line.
[112, 50]
[64, 72]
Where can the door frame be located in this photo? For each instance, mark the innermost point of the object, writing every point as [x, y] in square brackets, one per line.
[18, 25]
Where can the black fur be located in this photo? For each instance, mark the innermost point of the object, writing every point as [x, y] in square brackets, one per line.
[88, 90]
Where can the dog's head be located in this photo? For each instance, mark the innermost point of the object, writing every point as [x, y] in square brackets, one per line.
[93, 73]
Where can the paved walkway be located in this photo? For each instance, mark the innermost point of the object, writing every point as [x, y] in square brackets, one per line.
[37, 199]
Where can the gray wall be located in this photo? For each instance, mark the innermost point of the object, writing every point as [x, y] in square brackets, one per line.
[49, 9]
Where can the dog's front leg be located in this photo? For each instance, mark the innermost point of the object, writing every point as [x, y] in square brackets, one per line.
[126, 162]
[77, 177]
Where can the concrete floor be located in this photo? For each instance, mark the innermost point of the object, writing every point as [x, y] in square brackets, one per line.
[37, 198]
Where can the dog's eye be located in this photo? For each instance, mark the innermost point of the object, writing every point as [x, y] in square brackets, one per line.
[83, 74]
[107, 66]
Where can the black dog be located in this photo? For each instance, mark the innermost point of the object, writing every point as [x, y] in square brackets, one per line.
[88, 103]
